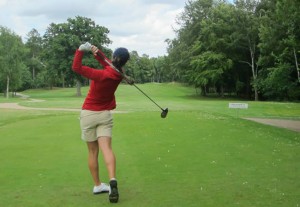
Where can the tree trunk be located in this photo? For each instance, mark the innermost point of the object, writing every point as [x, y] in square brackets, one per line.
[78, 88]
[222, 91]
[203, 90]
[33, 73]
[297, 66]
[254, 73]
[7, 87]
[63, 80]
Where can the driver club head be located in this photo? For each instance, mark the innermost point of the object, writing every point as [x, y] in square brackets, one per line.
[164, 113]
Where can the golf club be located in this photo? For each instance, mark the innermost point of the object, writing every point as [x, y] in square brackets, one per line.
[164, 111]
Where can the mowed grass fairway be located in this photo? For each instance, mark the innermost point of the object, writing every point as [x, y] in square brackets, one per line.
[202, 154]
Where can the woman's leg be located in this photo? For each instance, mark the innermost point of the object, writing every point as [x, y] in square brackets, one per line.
[93, 149]
[110, 161]
[108, 155]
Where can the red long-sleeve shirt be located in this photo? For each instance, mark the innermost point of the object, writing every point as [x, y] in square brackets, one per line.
[104, 83]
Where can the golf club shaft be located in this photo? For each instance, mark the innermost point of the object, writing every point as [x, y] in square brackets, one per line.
[111, 65]
[147, 96]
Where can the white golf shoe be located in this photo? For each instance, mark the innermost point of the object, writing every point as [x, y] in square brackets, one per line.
[103, 188]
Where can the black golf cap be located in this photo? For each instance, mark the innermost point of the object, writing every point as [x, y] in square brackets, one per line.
[122, 55]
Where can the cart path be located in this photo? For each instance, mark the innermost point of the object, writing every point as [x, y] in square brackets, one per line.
[293, 125]
[16, 106]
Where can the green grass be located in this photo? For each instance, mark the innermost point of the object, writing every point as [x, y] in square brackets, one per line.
[174, 96]
[202, 154]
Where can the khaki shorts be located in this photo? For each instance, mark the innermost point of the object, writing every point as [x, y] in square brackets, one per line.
[95, 124]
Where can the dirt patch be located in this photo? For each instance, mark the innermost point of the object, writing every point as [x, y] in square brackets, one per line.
[18, 107]
[22, 96]
[293, 125]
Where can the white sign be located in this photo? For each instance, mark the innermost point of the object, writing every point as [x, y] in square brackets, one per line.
[238, 105]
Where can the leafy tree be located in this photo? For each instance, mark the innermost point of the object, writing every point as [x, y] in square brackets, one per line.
[140, 68]
[289, 15]
[146, 72]
[167, 73]
[246, 33]
[161, 69]
[209, 68]
[62, 39]
[12, 52]
[280, 45]
[34, 44]
[256, 40]
[190, 22]
[212, 52]
[132, 66]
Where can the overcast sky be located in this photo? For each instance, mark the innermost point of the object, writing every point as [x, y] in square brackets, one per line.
[140, 25]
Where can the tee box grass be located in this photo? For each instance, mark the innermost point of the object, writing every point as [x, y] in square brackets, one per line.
[202, 154]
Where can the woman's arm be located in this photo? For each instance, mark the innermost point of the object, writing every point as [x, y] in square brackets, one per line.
[99, 56]
[85, 71]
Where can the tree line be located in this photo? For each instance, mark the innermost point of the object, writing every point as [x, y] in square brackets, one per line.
[45, 61]
[248, 49]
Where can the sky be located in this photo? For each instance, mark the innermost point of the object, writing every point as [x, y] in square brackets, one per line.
[139, 25]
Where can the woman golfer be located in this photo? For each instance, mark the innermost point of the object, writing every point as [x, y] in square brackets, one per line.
[96, 120]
